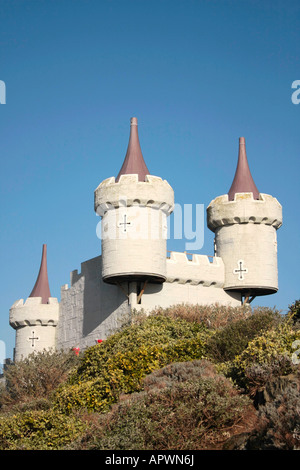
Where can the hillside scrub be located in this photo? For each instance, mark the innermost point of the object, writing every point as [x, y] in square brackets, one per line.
[31, 381]
[212, 316]
[217, 381]
[125, 358]
[184, 406]
[234, 337]
[39, 430]
[263, 350]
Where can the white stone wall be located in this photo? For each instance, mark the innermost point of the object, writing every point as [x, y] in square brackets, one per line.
[169, 294]
[35, 325]
[199, 270]
[89, 308]
[199, 280]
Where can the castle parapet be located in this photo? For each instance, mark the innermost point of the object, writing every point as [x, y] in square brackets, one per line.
[196, 271]
[129, 191]
[244, 209]
[34, 312]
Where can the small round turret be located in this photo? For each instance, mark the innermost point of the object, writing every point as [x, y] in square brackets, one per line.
[245, 223]
[36, 319]
[134, 208]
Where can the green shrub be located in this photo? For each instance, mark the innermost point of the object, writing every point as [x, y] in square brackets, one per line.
[294, 313]
[38, 430]
[180, 372]
[120, 372]
[212, 316]
[262, 350]
[152, 331]
[231, 340]
[258, 376]
[123, 372]
[36, 377]
[120, 363]
[280, 416]
[184, 406]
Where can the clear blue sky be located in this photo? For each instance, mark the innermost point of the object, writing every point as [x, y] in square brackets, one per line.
[198, 74]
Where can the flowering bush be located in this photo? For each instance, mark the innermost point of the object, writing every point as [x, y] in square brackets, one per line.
[234, 337]
[120, 364]
[38, 430]
[264, 349]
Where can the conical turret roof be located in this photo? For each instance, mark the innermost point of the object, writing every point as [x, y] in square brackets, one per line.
[41, 287]
[243, 181]
[134, 161]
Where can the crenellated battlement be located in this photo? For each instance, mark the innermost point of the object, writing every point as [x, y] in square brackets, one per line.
[129, 191]
[199, 270]
[244, 209]
[86, 267]
[195, 270]
[34, 312]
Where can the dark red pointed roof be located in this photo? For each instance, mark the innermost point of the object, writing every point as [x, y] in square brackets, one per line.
[243, 181]
[41, 287]
[134, 161]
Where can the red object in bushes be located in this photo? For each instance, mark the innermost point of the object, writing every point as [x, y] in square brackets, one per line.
[99, 340]
[76, 350]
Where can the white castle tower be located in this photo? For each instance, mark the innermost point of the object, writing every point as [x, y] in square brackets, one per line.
[245, 222]
[134, 208]
[35, 320]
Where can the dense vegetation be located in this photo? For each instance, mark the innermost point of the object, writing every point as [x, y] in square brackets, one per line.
[186, 377]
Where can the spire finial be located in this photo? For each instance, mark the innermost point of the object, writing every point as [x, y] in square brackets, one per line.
[41, 287]
[134, 161]
[243, 181]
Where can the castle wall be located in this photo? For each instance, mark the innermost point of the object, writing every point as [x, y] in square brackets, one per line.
[89, 308]
[199, 280]
[174, 293]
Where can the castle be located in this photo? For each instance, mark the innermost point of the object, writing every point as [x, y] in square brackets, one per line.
[134, 271]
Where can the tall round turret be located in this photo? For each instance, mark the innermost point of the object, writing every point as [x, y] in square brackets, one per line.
[245, 223]
[134, 208]
[35, 320]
